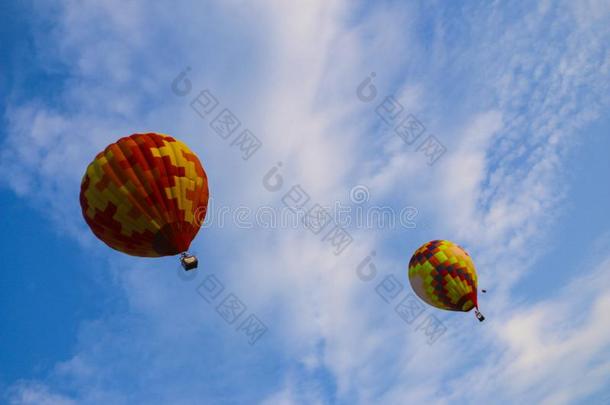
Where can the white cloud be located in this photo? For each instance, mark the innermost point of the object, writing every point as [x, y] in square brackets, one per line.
[556, 351]
[36, 394]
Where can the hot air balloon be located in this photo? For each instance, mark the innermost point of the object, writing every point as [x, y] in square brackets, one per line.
[443, 275]
[146, 195]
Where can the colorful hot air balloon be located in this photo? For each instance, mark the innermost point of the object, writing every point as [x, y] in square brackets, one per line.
[443, 275]
[146, 195]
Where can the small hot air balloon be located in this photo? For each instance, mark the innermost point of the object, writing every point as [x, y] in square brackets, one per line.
[443, 275]
[146, 195]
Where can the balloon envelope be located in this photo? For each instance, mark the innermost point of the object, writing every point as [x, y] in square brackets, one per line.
[443, 275]
[145, 195]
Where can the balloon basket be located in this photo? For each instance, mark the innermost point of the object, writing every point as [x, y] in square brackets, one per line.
[188, 261]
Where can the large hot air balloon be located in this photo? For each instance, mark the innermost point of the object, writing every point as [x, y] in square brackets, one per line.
[146, 195]
[443, 275]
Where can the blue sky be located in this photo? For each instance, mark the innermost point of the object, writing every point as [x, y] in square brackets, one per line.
[516, 92]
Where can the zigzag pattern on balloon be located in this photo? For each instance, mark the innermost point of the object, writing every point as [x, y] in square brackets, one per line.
[141, 195]
[443, 275]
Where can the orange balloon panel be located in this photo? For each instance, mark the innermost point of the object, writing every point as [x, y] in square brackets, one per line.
[145, 195]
